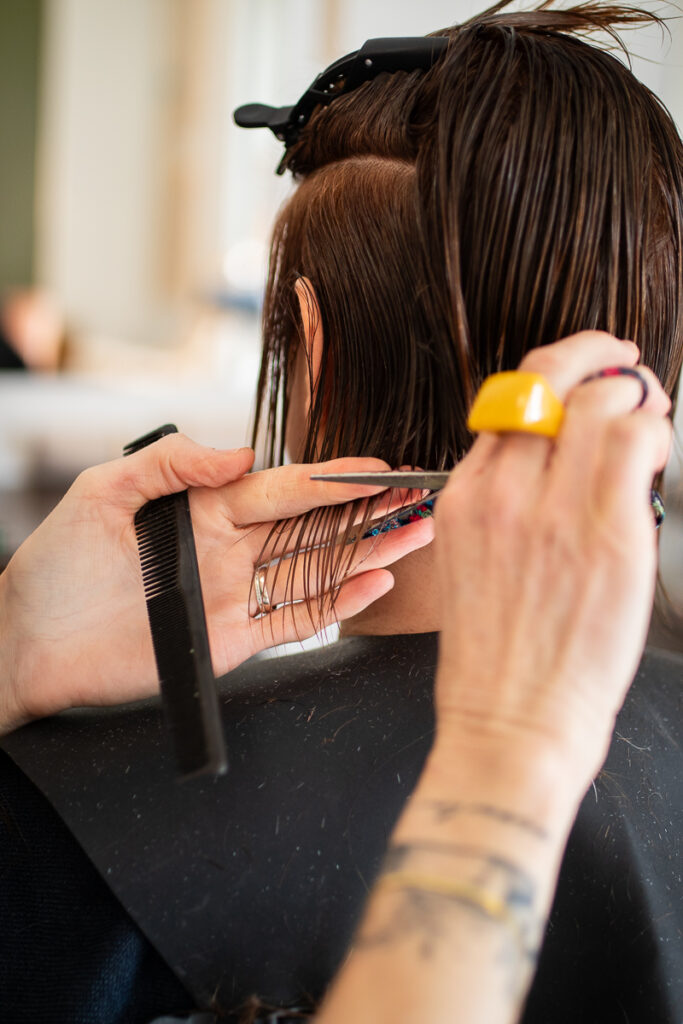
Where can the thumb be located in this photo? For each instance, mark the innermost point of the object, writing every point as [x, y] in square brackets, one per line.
[171, 464]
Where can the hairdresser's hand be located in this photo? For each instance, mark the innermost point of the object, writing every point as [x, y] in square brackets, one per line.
[73, 621]
[547, 553]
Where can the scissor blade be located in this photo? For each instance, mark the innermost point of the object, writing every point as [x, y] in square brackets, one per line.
[416, 480]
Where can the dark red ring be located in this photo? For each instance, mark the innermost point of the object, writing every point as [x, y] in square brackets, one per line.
[623, 371]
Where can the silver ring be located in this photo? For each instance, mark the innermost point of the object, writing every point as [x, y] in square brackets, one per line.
[261, 591]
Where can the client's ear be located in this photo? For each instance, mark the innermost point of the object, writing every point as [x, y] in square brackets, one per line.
[306, 371]
[312, 330]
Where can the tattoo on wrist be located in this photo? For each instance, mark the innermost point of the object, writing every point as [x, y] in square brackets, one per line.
[489, 888]
[401, 856]
[444, 810]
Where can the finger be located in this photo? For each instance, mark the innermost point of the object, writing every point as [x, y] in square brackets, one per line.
[598, 398]
[606, 397]
[316, 571]
[565, 363]
[287, 491]
[171, 464]
[607, 465]
[634, 449]
[295, 622]
[268, 541]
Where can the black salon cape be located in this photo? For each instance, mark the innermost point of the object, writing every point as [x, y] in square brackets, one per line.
[253, 883]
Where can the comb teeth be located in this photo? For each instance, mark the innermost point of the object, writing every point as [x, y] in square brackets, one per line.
[156, 529]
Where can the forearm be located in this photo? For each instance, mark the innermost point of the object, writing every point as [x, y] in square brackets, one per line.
[457, 916]
[545, 559]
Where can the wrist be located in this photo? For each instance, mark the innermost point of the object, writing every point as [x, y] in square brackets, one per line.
[527, 778]
[539, 730]
[488, 814]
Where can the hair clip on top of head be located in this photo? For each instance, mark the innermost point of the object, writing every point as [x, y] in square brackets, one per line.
[402, 53]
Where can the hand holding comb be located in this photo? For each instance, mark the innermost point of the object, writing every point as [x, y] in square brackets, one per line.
[175, 608]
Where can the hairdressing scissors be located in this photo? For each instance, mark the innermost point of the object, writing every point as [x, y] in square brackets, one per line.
[414, 480]
[435, 481]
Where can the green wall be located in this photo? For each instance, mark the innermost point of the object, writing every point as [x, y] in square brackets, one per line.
[20, 32]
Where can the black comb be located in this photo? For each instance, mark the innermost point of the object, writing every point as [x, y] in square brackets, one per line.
[176, 616]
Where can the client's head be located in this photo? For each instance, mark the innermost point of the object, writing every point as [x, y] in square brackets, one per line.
[446, 221]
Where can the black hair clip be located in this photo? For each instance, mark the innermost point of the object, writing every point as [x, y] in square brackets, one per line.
[403, 53]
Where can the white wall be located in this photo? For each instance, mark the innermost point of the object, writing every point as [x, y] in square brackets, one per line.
[101, 201]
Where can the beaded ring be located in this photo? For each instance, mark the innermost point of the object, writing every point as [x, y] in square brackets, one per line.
[623, 371]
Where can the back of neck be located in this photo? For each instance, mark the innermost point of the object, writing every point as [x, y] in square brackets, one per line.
[412, 606]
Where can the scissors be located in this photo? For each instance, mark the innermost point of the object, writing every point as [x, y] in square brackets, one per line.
[435, 481]
[414, 480]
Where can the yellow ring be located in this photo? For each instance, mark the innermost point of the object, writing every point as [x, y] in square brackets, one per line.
[516, 401]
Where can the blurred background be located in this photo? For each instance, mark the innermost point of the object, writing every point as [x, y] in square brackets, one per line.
[134, 217]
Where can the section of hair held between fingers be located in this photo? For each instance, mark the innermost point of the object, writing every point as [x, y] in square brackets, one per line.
[307, 567]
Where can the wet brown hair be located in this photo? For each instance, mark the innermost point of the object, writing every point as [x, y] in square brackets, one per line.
[525, 188]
